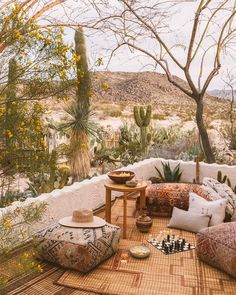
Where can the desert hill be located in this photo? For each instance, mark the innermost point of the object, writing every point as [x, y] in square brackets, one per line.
[140, 87]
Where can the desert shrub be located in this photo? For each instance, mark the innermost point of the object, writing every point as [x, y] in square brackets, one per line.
[130, 149]
[114, 113]
[16, 231]
[158, 116]
[228, 133]
[163, 136]
[192, 148]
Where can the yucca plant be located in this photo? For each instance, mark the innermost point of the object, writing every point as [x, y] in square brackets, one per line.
[169, 175]
[79, 125]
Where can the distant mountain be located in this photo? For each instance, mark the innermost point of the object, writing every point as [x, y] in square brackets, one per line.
[225, 94]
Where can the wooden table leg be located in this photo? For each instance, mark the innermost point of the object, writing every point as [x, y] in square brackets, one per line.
[124, 216]
[142, 200]
[108, 205]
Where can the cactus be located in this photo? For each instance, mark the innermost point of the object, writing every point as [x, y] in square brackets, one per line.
[197, 180]
[225, 179]
[142, 119]
[64, 172]
[221, 178]
[83, 75]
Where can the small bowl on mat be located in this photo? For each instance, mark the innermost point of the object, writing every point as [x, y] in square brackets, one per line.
[121, 176]
[139, 251]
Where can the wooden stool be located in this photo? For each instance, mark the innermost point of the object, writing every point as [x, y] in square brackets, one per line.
[140, 188]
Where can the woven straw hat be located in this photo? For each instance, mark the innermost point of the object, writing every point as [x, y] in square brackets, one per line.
[82, 218]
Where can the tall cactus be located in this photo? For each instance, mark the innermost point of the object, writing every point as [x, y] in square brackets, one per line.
[83, 75]
[142, 118]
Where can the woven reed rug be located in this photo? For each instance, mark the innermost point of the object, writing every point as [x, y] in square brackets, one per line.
[176, 274]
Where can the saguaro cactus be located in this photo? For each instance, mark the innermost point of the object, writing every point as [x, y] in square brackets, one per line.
[142, 118]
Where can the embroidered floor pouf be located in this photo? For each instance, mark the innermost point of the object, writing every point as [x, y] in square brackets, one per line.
[216, 246]
[162, 197]
[81, 249]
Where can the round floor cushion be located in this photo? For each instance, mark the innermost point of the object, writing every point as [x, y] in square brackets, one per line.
[216, 246]
[81, 249]
[163, 197]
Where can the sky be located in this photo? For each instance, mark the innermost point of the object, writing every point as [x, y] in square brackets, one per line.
[100, 45]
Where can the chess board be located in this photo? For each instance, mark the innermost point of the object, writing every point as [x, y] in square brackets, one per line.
[171, 245]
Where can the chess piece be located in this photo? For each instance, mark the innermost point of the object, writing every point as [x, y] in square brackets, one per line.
[168, 238]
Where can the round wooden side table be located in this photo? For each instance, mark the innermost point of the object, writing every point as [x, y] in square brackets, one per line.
[110, 186]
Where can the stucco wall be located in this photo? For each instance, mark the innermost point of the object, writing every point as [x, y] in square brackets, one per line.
[91, 193]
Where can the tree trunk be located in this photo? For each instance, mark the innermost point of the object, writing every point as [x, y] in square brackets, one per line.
[209, 155]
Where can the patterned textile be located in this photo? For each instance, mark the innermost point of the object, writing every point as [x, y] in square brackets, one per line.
[216, 190]
[78, 248]
[161, 198]
[217, 246]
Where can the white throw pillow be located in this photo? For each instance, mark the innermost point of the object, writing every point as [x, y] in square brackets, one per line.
[214, 208]
[189, 221]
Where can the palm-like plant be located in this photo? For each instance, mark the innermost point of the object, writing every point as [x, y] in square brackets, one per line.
[78, 124]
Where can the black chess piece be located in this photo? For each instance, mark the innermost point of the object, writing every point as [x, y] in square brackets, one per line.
[168, 238]
[189, 246]
[163, 243]
[177, 246]
[166, 249]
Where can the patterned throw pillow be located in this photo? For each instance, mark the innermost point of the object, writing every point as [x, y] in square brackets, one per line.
[216, 190]
[214, 208]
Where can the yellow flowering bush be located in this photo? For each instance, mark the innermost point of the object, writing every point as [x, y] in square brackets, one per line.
[15, 231]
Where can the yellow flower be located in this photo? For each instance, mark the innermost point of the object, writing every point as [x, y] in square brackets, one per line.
[40, 269]
[38, 128]
[13, 103]
[83, 145]
[47, 41]
[7, 224]
[99, 61]
[76, 57]
[18, 34]
[33, 263]
[26, 255]
[105, 86]
[9, 134]
[36, 157]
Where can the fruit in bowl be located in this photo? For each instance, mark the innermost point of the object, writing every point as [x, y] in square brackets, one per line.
[121, 176]
[139, 251]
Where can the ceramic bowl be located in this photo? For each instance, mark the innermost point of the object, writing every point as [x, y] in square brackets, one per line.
[139, 251]
[131, 183]
[121, 176]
